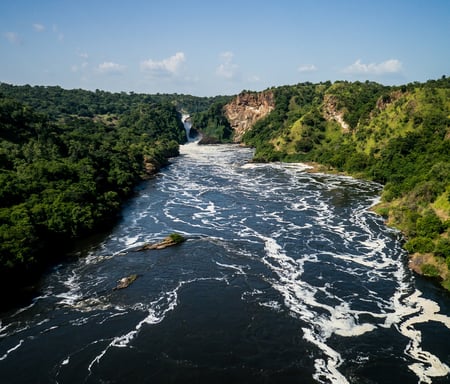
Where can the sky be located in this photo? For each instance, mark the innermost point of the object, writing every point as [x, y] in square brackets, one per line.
[209, 47]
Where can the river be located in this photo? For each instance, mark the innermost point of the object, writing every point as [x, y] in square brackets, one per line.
[286, 277]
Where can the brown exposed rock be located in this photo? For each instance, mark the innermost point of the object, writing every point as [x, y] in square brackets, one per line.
[385, 100]
[246, 109]
[150, 167]
[124, 282]
[169, 241]
[331, 112]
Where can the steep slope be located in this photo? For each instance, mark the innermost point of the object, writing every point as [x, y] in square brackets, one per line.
[246, 109]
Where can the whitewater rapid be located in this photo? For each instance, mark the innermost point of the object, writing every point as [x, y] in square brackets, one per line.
[285, 275]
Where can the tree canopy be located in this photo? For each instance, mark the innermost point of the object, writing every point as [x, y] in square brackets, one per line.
[65, 168]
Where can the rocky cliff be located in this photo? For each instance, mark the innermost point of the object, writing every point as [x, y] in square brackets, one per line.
[246, 109]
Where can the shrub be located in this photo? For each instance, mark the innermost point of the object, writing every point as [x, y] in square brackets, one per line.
[430, 270]
[419, 244]
[390, 192]
[176, 238]
[442, 248]
[429, 225]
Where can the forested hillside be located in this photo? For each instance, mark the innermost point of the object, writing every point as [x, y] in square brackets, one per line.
[68, 159]
[398, 136]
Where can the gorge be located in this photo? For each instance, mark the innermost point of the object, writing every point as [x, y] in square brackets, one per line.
[286, 273]
[289, 277]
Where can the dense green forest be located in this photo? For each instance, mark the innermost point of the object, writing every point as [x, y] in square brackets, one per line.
[68, 159]
[397, 136]
[56, 102]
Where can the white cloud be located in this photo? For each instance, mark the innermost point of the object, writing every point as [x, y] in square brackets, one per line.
[227, 69]
[13, 38]
[388, 66]
[307, 68]
[108, 67]
[38, 27]
[169, 66]
[84, 55]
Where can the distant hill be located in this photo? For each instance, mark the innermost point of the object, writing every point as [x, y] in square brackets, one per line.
[56, 102]
[398, 136]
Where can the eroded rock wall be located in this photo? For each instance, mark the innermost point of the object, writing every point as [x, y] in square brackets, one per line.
[246, 109]
[331, 112]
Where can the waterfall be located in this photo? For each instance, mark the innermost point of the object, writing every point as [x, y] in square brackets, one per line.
[186, 119]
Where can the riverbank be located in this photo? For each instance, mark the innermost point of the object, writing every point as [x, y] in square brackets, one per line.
[425, 263]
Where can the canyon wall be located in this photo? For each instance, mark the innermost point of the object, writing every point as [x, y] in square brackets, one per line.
[246, 109]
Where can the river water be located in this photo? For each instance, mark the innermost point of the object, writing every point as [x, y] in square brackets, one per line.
[285, 277]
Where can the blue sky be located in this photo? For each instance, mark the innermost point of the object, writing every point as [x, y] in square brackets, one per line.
[207, 48]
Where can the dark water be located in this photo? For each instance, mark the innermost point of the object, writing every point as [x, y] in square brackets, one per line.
[286, 277]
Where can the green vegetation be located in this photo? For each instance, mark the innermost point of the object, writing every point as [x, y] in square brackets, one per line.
[212, 123]
[68, 159]
[56, 102]
[397, 136]
[177, 238]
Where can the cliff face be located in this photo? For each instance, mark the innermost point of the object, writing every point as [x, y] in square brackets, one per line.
[246, 109]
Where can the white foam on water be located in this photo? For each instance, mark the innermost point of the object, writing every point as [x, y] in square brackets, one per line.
[156, 312]
[274, 305]
[326, 370]
[320, 307]
[238, 268]
[365, 255]
[3, 329]
[131, 240]
[16, 347]
[299, 299]
[252, 165]
[413, 310]
[73, 294]
[403, 311]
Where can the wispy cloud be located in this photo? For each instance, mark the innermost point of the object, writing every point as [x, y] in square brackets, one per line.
[227, 69]
[58, 33]
[108, 67]
[385, 67]
[166, 67]
[307, 68]
[254, 79]
[13, 38]
[82, 67]
[39, 27]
